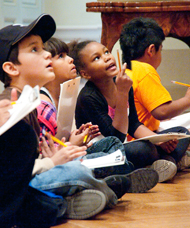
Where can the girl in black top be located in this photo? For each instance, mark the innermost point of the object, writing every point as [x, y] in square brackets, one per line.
[109, 103]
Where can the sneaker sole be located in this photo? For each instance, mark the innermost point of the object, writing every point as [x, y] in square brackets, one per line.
[85, 204]
[166, 169]
[142, 180]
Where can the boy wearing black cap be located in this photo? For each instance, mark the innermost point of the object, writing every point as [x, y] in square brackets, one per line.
[23, 61]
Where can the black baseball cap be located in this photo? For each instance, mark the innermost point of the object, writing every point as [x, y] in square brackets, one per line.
[44, 26]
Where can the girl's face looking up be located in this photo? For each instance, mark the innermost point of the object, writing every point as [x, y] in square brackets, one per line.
[63, 67]
[98, 61]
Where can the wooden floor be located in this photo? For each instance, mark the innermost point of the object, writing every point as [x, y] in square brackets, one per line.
[165, 206]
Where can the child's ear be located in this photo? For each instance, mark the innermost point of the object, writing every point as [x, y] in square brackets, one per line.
[84, 74]
[10, 68]
[151, 50]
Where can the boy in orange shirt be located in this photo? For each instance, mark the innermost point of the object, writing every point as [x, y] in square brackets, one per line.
[141, 43]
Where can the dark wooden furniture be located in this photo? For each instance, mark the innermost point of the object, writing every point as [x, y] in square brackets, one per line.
[172, 16]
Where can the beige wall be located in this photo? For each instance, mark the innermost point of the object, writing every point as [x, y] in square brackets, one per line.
[71, 13]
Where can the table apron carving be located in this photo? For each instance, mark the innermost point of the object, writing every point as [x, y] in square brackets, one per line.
[172, 16]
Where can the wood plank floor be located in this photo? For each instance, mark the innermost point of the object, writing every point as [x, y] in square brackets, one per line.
[165, 206]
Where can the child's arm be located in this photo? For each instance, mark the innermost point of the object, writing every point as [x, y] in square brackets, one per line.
[123, 83]
[172, 108]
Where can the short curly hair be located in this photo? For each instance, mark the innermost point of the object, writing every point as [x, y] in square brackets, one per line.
[137, 35]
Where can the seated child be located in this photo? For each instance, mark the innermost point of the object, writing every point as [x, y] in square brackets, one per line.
[141, 43]
[64, 70]
[110, 105]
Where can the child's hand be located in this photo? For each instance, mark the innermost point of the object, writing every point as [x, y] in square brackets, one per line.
[14, 96]
[83, 127]
[77, 138]
[123, 81]
[67, 154]
[60, 155]
[86, 130]
[93, 132]
[169, 146]
[47, 150]
[5, 105]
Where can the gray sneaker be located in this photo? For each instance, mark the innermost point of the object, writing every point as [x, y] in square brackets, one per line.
[85, 204]
[138, 181]
[166, 169]
[184, 163]
[142, 180]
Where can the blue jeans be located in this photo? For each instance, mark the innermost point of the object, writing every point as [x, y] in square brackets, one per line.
[103, 147]
[70, 178]
[144, 153]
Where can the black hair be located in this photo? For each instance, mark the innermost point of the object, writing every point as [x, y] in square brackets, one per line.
[56, 46]
[75, 49]
[137, 35]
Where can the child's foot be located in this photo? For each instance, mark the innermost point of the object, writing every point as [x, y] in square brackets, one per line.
[166, 169]
[85, 204]
[138, 181]
[184, 163]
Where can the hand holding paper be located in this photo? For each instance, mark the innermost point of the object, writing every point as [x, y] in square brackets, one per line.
[27, 102]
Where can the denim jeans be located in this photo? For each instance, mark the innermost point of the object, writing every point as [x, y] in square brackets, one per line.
[141, 153]
[70, 178]
[103, 147]
[144, 153]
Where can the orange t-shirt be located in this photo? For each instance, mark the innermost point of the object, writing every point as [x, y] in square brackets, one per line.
[149, 93]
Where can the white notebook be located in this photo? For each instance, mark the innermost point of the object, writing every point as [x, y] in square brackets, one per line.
[112, 159]
[66, 107]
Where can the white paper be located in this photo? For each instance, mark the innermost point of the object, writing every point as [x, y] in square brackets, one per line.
[113, 159]
[162, 137]
[181, 120]
[27, 102]
[66, 107]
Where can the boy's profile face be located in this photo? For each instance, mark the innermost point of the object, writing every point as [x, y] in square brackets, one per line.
[63, 67]
[36, 65]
